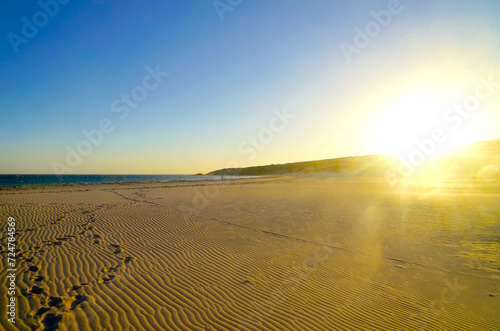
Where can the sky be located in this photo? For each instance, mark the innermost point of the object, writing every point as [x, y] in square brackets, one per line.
[181, 87]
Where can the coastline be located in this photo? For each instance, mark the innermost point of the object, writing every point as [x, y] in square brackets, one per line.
[110, 179]
[170, 183]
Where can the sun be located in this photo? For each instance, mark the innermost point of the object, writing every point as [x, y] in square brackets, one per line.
[402, 123]
[406, 117]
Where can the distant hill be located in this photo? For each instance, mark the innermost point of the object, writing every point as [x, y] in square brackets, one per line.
[348, 165]
[467, 160]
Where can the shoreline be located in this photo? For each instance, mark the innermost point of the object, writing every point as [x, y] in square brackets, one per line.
[164, 183]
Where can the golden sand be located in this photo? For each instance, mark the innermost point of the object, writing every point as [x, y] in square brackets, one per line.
[261, 254]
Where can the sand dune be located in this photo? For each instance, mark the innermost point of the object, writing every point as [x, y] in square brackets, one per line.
[263, 254]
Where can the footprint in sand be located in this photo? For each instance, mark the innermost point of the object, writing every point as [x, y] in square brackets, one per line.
[54, 302]
[118, 249]
[38, 279]
[106, 279]
[51, 321]
[96, 239]
[128, 259]
[75, 287]
[79, 299]
[41, 311]
[36, 290]
[34, 268]
[112, 269]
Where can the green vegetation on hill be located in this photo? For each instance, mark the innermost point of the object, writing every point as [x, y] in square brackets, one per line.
[347, 165]
[468, 160]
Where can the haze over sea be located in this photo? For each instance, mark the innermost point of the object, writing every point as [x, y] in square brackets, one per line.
[11, 180]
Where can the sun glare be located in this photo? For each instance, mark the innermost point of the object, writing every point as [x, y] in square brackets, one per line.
[416, 115]
[410, 116]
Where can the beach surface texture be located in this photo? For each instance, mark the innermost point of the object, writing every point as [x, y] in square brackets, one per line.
[274, 253]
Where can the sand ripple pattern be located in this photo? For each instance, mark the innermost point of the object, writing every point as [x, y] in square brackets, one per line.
[301, 254]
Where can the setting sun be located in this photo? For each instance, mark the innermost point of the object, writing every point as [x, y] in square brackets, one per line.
[404, 120]
[407, 117]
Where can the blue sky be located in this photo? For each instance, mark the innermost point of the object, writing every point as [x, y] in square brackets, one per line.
[228, 78]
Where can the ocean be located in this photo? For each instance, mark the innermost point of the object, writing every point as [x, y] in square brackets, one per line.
[12, 180]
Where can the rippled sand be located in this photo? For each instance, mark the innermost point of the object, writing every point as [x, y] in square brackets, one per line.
[260, 254]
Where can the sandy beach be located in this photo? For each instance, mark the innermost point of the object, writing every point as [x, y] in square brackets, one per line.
[278, 253]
